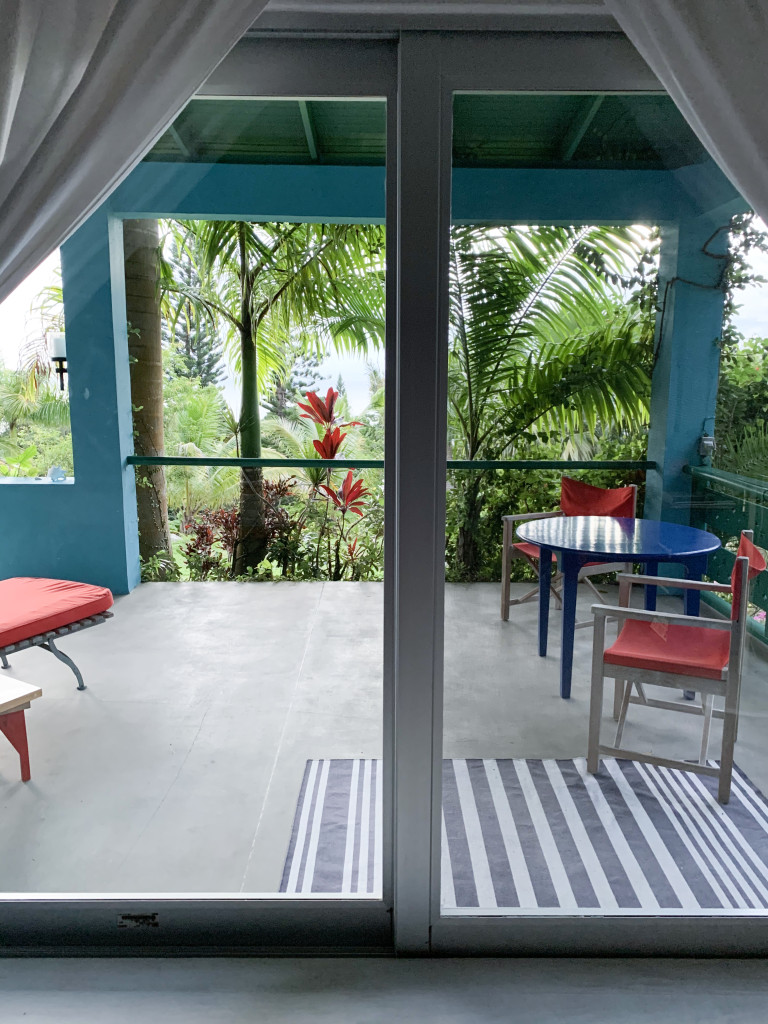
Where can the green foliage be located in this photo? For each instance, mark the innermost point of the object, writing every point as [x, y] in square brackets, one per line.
[34, 422]
[34, 413]
[745, 238]
[310, 535]
[542, 350]
[741, 418]
[299, 279]
[539, 338]
[273, 286]
[512, 492]
[742, 409]
[550, 355]
[53, 444]
[193, 414]
[19, 463]
[188, 330]
[290, 385]
[160, 568]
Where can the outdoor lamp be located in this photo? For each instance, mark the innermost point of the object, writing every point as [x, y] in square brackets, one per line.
[59, 356]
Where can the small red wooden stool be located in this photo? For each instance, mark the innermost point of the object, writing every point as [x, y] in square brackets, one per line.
[15, 698]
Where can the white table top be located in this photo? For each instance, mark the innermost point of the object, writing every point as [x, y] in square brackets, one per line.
[14, 692]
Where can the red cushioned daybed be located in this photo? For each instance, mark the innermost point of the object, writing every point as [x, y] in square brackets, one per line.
[38, 612]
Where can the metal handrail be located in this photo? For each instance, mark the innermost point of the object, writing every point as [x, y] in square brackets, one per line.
[344, 463]
[747, 486]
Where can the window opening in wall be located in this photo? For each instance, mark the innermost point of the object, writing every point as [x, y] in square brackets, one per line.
[35, 434]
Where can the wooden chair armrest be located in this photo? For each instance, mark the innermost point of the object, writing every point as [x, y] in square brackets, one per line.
[605, 610]
[672, 581]
[531, 515]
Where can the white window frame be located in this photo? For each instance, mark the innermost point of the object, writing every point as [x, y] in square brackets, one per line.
[271, 923]
[476, 63]
[418, 73]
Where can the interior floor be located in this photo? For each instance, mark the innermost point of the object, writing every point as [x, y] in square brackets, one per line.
[369, 991]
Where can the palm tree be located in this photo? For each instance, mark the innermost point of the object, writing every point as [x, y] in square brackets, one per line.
[197, 423]
[540, 343]
[266, 281]
[141, 244]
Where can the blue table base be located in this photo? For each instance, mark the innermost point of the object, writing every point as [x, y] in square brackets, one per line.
[570, 565]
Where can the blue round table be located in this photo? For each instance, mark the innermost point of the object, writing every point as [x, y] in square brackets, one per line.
[581, 539]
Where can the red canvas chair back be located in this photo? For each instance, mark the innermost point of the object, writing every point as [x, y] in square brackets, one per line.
[580, 499]
[756, 565]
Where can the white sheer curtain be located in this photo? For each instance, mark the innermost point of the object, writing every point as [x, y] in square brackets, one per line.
[86, 86]
[711, 56]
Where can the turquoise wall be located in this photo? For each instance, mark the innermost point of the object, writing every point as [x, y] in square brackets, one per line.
[87, 530]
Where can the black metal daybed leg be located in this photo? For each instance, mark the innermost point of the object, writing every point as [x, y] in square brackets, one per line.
[49, 645]
[4, 660]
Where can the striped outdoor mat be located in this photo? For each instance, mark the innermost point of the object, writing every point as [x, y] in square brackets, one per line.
[532, 833]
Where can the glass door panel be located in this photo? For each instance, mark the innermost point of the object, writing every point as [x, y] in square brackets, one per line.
[580, 230]
[229, 745]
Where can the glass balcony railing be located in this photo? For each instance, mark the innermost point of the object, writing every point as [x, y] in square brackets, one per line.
[725, 504]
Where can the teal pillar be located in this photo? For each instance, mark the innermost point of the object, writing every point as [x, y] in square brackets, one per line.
[105, 537]
[85, 529]
[685, 375]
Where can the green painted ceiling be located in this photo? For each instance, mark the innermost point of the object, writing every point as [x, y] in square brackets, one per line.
[638, 131]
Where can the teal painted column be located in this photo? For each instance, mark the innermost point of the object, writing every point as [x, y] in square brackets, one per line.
[85, 530]
[105, 537]
[685, 375]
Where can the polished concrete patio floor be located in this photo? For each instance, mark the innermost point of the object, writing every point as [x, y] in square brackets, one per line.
[178, 769]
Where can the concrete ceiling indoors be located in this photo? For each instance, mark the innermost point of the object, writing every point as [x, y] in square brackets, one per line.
[391, 15]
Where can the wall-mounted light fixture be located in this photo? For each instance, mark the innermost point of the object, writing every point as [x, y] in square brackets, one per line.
[706, 446]
[59, 356]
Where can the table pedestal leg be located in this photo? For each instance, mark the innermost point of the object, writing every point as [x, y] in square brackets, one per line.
[570, 569]
[545, 576]
[694, 570]
[651, 569]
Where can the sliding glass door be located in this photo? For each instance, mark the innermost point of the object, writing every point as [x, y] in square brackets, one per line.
[415, 780]
[226, 775]
[578, 218]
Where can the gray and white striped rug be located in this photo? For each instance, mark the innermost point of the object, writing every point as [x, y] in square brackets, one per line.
[544, 834]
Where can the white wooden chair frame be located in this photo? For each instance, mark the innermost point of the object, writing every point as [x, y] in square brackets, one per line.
[728, 686]
[510, 552]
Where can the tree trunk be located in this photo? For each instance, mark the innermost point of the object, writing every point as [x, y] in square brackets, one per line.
[142, 300]
[253, 540]
[467, 547]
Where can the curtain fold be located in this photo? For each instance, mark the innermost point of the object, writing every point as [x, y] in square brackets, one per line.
[86, 87]
[710, 56]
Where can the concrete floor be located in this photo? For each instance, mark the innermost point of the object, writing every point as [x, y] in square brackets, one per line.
[377, 991]
[178, 769]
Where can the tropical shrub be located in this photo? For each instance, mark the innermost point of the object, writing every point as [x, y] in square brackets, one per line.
[741, 420]
[319, 523]
[513, 491]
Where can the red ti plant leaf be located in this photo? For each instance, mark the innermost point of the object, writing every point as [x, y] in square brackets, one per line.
[323, 412]
[329, 446]
[349, 496]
